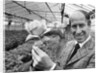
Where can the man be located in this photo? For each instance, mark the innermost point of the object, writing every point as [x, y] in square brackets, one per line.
[78, 53]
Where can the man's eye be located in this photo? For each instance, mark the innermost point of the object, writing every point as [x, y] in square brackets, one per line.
[74, 26]
[81, 25]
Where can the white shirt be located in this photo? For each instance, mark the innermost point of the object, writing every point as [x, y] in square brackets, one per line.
[81, 44]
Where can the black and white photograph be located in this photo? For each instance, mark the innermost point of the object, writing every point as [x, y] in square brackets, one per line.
[45, 36]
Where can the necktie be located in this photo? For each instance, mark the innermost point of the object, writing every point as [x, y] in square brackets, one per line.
[77, 46]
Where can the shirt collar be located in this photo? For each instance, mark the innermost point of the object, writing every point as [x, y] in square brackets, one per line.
[81, 44]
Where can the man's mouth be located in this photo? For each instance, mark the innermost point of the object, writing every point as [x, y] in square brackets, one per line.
[79, 37]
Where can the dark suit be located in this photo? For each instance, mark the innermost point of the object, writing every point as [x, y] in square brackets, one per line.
[84, 58]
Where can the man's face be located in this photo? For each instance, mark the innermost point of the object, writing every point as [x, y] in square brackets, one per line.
[80, 28]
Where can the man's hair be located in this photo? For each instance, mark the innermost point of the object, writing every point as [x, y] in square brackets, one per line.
[87, 17]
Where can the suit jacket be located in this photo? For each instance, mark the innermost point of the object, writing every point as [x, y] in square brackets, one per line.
[84, 58]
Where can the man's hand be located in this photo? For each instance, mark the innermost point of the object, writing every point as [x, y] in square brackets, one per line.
[41, 60]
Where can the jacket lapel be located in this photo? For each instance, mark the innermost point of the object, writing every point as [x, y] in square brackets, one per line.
[65, 53]
[82, 52]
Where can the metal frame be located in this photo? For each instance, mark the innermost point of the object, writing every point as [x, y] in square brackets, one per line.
[50, 10]
[30, 11]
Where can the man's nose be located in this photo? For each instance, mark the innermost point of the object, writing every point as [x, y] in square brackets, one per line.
[78, 30]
